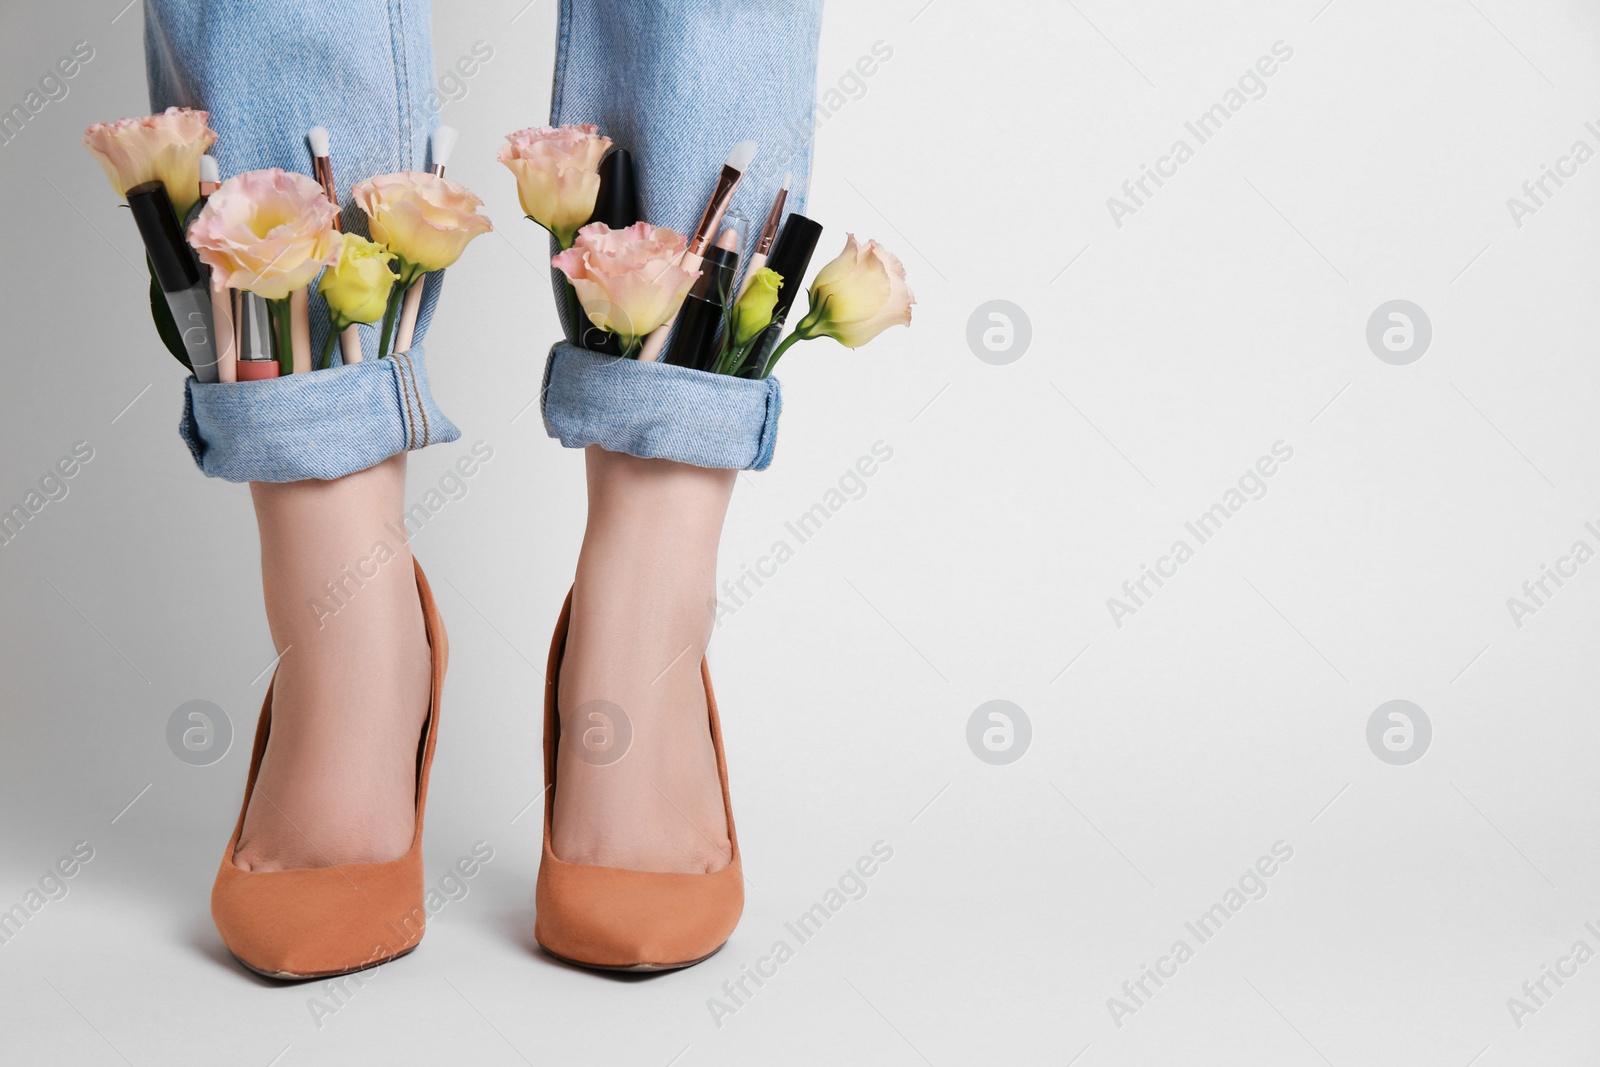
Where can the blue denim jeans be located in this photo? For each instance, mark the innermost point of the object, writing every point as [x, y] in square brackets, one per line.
[677, 82]
[321, 425]
[659, 411]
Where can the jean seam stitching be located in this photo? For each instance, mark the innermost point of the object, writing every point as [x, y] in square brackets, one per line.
[422, 408]
[563, 40]
[401, 81]
[405, 398]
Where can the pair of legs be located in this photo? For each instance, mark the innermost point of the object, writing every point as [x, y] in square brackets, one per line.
[338, 781]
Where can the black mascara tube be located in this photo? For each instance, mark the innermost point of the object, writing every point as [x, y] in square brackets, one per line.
[791, 255]
[616, 205]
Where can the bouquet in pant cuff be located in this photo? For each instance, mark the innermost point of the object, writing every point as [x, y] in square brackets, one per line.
[646, 292]
[233, 262]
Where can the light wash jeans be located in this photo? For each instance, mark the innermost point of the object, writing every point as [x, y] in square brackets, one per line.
[676, 82]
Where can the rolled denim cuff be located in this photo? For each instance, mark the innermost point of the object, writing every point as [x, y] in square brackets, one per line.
[659, 411]
[324, 425]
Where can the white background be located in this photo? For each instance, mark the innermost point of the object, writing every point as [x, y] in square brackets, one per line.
[1229, 713]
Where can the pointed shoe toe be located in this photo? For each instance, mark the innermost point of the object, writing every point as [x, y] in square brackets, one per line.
[322, 922]
[610, 918]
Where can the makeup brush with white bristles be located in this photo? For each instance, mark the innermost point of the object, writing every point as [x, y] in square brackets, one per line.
[441, 142]
[733, 169]
[322, 169]
[322, 165]
[210, 175]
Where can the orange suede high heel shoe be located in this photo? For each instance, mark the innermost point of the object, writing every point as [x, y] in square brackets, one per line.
[619, 920]
[330, 921]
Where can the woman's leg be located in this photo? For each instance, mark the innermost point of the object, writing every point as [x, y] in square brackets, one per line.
[338, 780]
[701, 75]
[642, 613]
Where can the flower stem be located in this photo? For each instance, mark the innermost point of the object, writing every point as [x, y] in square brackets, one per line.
[800, 334]
[390, 314]
[326, 359]
[278, 313]
[734, 358]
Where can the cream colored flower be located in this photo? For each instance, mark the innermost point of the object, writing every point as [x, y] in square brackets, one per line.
[165, 148]
[859, 295]
[557, 172]
[423, 219]
[629, 281]
[267, 231]
[753, 312]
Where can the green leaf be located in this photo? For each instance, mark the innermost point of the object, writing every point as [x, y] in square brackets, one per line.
[162, 314]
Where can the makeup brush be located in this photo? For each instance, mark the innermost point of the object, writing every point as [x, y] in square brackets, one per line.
[440, 144]
[322, 166]
[322, 169]
[300, 329]
[210, 176]
[223, 333]
[769, 230]
[727, 181]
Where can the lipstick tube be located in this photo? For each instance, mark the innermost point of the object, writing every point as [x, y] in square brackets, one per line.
[694, 341]
[256, 359]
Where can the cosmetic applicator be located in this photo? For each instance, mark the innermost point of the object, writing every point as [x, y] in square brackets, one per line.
[769, 231]
[441, 142]
[322, 169]
[322, 166]
[222, 331]
[617, 202]
[739, 158]
[178, 275]
[700, 320]
[210, 176]
[791, 255]
[256, 362]
[300, 330]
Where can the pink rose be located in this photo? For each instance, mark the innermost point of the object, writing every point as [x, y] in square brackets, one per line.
[629, 281]
[422, 218]
[165, 147]
[268, 231]
[557, 172]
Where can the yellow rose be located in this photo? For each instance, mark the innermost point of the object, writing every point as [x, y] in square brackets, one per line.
[357, 287]
[425, 220]
[753, 312]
